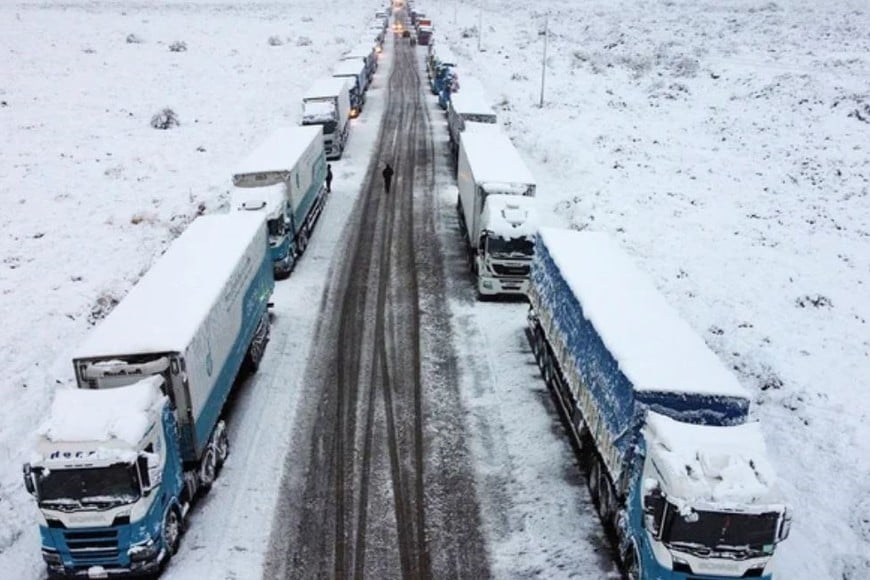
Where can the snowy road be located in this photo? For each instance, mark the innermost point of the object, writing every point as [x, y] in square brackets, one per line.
[363, 497]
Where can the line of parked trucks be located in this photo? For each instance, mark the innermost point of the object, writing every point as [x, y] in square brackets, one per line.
[122, 457]
[676, 467]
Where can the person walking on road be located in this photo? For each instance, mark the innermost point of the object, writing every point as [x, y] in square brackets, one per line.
[328, 178]
[388, 177]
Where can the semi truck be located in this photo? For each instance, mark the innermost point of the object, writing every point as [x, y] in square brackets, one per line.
[676, 469]
[327, 103]
[121, 458]
[498, 225]
[354, 71]
[469, 105]
[284, 177]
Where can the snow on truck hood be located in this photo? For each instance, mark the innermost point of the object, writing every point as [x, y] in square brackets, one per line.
[655, 348]
[711, 465]
[100, 422]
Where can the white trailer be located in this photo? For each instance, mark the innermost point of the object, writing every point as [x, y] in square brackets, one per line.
[327, 103]
[498, 235]
[468, 105]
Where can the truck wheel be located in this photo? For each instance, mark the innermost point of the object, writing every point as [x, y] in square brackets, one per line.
[606, 507]
[537, 343]
[594, 469]
[171, 531]
[301, 242]
[208, 469]
[222, 448]
[631, 565]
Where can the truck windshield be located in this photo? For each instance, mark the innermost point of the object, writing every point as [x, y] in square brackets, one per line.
[329, 127]
[100, 486]
[706, 531]
[510, 247]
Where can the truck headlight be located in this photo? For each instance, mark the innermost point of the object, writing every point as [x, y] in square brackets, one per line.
[52, 558]
[145, 551]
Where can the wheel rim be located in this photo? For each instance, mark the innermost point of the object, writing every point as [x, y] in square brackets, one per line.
[223, 447]
[171, 531]
[207, 471]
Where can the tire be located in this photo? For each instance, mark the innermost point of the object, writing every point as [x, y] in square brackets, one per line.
[606, 504]
[171, 531]
[208, 469]
[594, 473]
[222, 448]
[549, 372]
[301, 242]
[539, 344]
[631, 567]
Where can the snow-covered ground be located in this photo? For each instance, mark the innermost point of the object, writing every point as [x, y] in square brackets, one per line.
[724, 144]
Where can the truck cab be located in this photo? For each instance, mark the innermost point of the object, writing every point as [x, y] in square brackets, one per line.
[105, 480]
[327, 103]
[271, 201]
[506, 246]
[706, 501]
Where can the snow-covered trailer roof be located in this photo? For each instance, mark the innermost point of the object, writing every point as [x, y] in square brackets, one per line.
[471, 99]
[166, 307]
[494, 159]
[655, 348]
[509, 216]
[364, 50]
[350, 67]
[270, 200]
[714, 465]
[278, 154]
[325, 88]
[103, 424]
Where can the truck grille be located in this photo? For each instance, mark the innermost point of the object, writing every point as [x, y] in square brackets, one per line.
[502, 270]
[93, 547]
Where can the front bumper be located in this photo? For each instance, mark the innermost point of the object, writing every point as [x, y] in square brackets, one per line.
[493, 286]
[134, 569]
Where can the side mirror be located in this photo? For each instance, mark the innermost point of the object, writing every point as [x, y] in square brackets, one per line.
[144, 476]
[785, 524]
[29, 484]
[654, 504]
[150, 474]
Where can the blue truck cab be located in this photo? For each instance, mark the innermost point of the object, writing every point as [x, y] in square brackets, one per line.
[676, 468]
[120, 459]
[284, 179]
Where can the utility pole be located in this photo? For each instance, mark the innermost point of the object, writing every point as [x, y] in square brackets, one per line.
[479, 24]
[544, 61]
